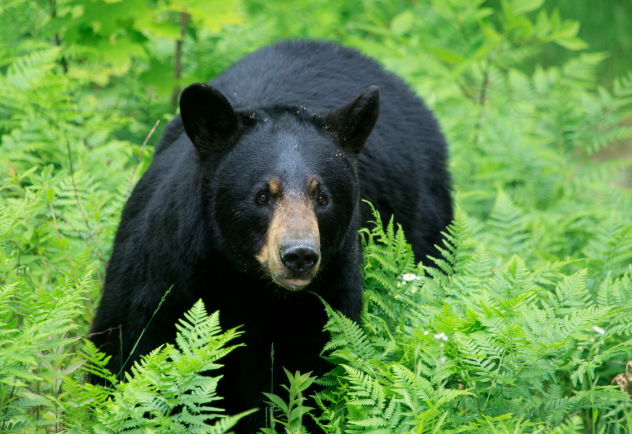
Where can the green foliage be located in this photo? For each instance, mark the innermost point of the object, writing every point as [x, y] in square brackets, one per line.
[520, 326]
[615, 38]
[41, 387]
[167, 392]
[292, 412]
[474, 346]
[36, 339]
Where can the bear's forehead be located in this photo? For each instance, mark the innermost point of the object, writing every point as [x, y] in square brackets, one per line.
[293, 151]
[287, 145]
[294, 168]
[288, 129]
[290, 155]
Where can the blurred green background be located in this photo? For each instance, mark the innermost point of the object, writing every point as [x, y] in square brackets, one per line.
[606, 25]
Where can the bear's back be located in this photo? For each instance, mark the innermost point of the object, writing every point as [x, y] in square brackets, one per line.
[318, 75]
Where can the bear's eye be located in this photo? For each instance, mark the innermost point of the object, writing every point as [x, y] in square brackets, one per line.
[262, 198]
[321, 198]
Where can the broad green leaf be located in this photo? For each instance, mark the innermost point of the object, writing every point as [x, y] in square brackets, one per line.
[446, 56]
[520, 7]
[402, 23]
[572, 43]
[50, 194]
[278, 401]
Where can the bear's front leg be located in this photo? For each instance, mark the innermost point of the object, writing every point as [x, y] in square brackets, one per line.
[284, 330]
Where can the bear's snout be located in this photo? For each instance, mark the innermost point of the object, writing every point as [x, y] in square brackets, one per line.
[291, 253]
[299, 256]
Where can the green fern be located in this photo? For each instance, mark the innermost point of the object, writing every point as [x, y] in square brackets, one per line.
[166, 391]
[513, 333]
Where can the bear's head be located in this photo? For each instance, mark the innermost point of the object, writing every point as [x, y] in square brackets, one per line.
[281, 182]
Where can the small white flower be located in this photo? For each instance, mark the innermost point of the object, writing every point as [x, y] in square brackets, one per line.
[599, 330]
[441, 336]
[409, 277]
[442, 359]
[445, 338]
[426, 333]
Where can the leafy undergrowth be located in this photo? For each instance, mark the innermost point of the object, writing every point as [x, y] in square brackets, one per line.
[170, 391]
[464, 347]
[471, 347]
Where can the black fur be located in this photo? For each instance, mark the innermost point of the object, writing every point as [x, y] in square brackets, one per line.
[192, 222]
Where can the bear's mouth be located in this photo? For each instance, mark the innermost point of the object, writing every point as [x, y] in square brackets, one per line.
[296, 283]
[292, 284]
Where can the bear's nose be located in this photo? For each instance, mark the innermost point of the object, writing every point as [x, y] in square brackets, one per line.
[299, 258]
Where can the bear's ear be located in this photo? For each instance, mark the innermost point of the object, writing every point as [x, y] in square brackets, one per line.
[208, 118]
[354, 122]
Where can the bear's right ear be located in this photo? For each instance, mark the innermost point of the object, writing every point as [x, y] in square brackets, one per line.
[354, 122]
[208, 118]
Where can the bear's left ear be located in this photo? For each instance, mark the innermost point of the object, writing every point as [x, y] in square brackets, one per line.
[354, 122]
[208, 118]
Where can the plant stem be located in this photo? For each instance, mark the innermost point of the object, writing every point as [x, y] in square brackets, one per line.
[482, 99]
[80, 234]
[85, 217]
[184, 20]
[53, 14]
[139, 155]
[272, 423]
[18, 318]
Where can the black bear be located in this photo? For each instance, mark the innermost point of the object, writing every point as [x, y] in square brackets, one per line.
[253, 204]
